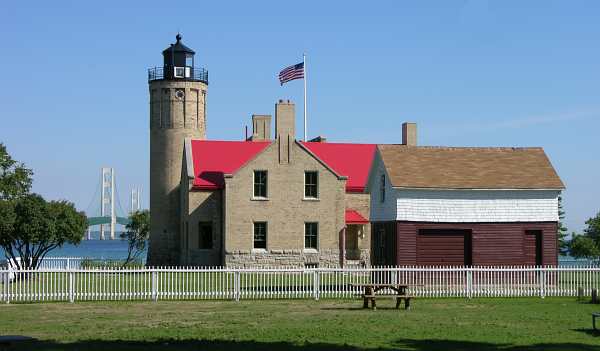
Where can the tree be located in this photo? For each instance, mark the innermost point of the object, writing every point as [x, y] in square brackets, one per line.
[15, 178]
[583, 246]
[563, 243]
[35, 227]
[593, 228]
[137, 232]
[30, 227]
[588, 244]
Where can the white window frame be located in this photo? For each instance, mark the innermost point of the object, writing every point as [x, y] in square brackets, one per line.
[266, 197]
[182, 70]
[260, 249]
[304, 188]
[311, 249]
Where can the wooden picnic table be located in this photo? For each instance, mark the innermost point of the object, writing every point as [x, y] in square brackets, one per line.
[370, 291]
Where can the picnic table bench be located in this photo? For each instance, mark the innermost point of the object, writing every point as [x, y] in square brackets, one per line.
[370, 293]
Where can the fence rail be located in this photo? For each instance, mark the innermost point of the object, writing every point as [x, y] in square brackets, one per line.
[49, 263]
[287, 283]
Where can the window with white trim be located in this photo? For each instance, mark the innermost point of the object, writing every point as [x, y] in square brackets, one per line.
[311, 184]
[311, 235]
[260, 184]
[260, 235]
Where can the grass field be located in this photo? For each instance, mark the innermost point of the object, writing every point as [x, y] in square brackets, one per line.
[432, 324]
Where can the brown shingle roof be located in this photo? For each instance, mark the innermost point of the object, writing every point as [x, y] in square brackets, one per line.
[469, 167]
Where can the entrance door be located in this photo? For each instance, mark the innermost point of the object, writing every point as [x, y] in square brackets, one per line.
[532, 247]
[352, 250]
[383, 243]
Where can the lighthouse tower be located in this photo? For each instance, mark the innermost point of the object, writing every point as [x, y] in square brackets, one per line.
[177, 111]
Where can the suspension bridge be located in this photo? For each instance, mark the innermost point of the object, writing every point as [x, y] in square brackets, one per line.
[105, 209]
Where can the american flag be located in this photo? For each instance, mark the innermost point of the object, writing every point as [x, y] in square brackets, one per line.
[292, 72]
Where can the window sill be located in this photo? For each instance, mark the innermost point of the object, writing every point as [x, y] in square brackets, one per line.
[259, 199]
[315, 251]
[311, 199]
[261, 251]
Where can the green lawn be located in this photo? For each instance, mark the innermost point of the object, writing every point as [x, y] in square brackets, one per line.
[432, 324]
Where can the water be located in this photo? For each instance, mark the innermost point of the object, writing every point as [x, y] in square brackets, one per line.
[98, 249]
[568, 261]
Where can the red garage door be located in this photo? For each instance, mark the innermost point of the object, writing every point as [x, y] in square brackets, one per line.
[444, 247]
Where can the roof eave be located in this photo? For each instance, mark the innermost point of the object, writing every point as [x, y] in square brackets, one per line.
[341, 177]
[477, 189]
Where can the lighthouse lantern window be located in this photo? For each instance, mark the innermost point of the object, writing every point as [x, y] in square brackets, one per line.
[179, 72]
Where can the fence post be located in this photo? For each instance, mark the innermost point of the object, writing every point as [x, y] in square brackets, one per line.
[316, 284]
[542, 283]
[470, 283]
[6, 282]
[236, 285]
[71, 288]
[68, 263]
[154, 285]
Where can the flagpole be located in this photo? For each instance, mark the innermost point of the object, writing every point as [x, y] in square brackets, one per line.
[304, 68]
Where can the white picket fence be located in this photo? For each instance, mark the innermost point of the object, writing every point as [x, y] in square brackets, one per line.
[175, 283]
[70, 262]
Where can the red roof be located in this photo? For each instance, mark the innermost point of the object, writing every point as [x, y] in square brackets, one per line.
[350, 160]
[213, 159]
[353, 217]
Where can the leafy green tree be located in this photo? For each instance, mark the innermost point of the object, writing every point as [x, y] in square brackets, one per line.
[15, 178]
[583, 246]
[34, 227]
[137, 232]
[593, 228]
[588, 244]
[563, 243]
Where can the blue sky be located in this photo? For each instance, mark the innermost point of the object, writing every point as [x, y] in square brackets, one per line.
[74, 95]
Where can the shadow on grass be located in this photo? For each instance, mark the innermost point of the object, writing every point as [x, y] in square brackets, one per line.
[222, 345]
[589, 331]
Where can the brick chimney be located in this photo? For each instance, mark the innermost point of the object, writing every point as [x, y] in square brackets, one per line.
[285, 119]
[261, 127]
[285, 128]
[409, 134]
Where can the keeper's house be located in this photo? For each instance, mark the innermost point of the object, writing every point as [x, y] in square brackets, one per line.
[462, 205]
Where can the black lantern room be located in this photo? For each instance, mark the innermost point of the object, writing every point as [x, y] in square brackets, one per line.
[178, 64]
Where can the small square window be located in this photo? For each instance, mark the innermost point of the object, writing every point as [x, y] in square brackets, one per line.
[205, 235]
[311, 235]
[260, 235]
[260, 184]
[311, 184]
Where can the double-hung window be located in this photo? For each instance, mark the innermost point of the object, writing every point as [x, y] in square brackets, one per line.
[311, 184]
[260, 184]
[260, 235]
[311, 235]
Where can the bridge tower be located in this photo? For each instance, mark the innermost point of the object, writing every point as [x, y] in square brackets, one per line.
[107, 201]
[177, 111]
[135, 204]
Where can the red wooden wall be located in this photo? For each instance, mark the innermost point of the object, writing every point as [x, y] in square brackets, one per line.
[492, 243]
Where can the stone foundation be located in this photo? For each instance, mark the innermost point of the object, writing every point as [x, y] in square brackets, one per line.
[282, 258]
